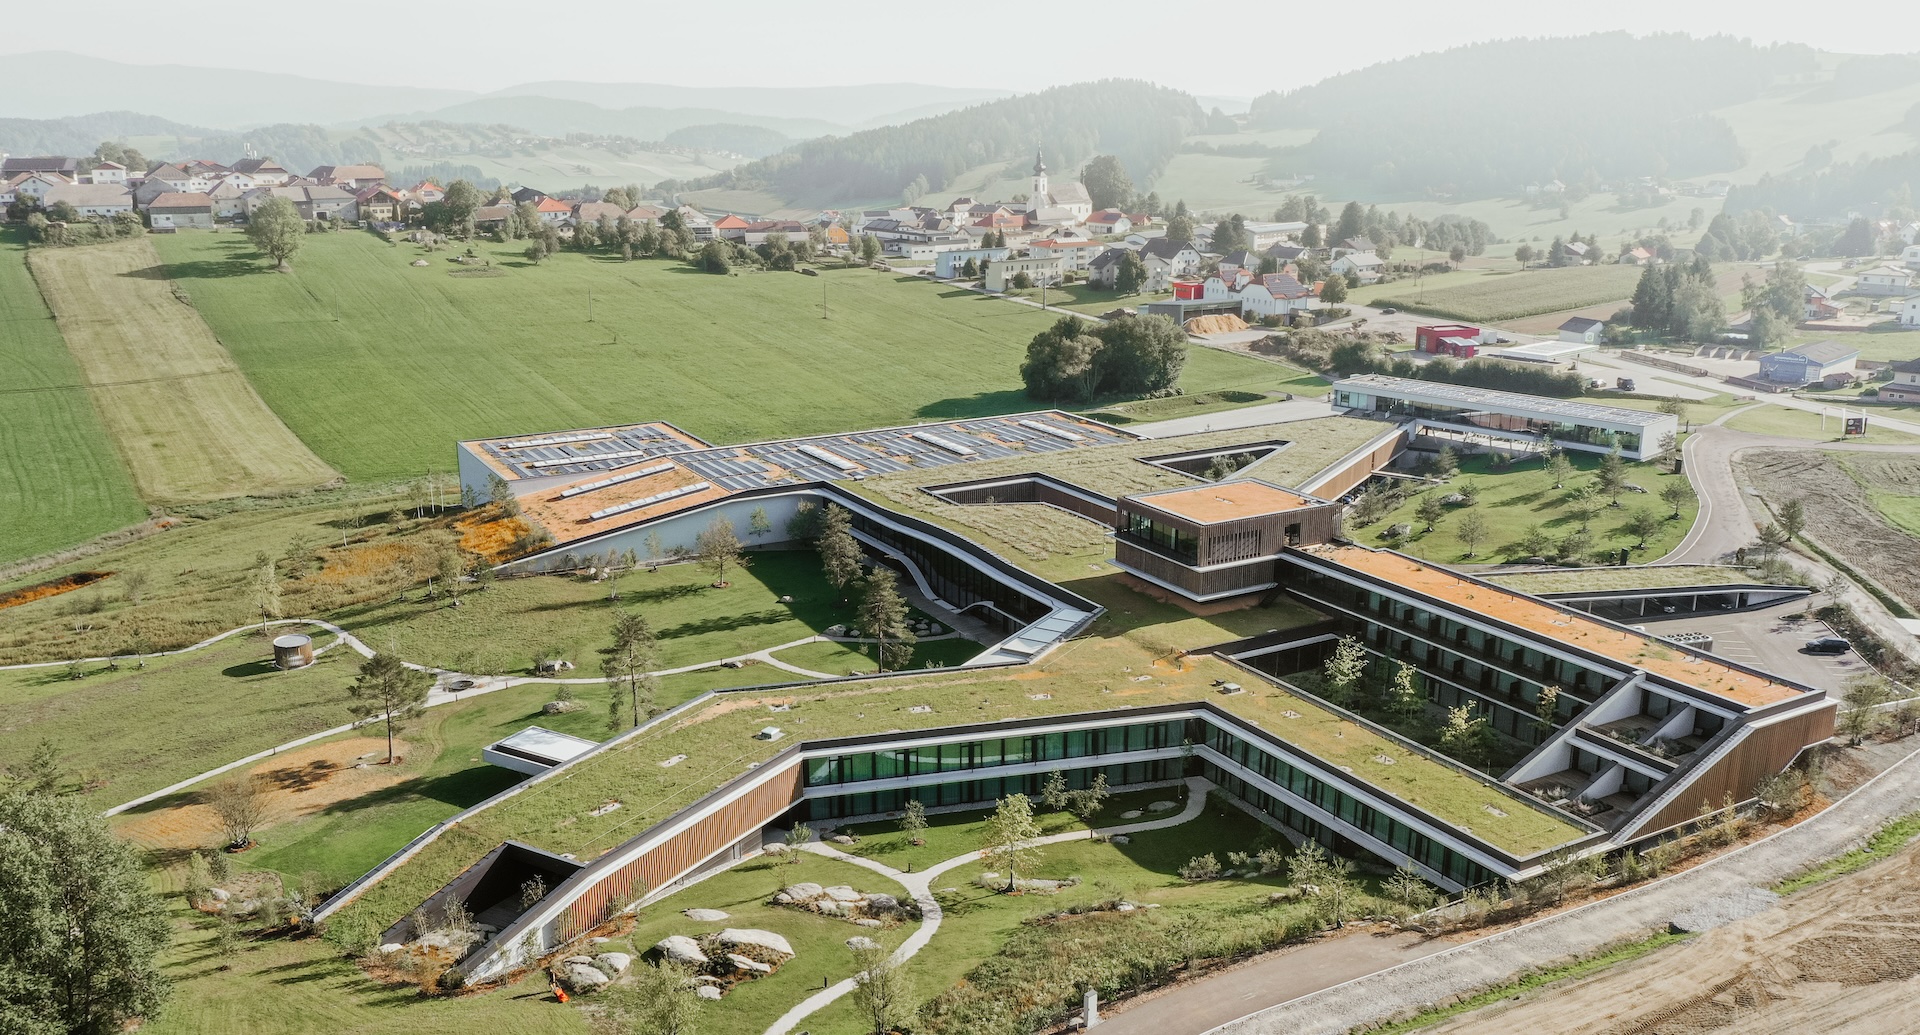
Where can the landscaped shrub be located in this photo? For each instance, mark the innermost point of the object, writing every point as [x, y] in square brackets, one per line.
[1201, 868]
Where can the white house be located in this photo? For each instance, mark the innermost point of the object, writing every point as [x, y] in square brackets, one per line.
[696, 222]
[1583, 330]
[91, 199]
[107, 172]
[1365, 265]
[1261, 236]
[1074, 255]
[260, 172]
[1166, 260]
[1910, 257]
[1109, 221]
[1043, 270]
[32, 185]
[229, 196]
[1275, 294]
[179, 180]
[1910, 312]
[1885, 280]
[180, 209]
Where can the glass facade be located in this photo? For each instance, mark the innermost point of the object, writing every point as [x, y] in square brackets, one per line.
[1404, 840]
[992, 752]
[1559, 431]
[1163, 538]
[954, 579]
[987, 790]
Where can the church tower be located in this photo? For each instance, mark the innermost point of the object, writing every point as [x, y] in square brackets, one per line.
[1040, 198]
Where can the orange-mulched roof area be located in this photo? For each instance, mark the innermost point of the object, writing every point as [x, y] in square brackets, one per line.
[568, 518]
[1570, 627]
[1226, 501]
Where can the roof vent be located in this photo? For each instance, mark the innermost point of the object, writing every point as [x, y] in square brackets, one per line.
[769, 733]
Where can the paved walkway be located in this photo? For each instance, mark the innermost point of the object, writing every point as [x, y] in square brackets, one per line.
[920, 882]
[1303, 408]
[1632, 915]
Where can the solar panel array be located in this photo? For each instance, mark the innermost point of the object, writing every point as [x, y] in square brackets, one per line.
[858, 454]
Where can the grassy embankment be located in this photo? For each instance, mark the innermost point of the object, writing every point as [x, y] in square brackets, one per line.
[60, 479]
[381, 365]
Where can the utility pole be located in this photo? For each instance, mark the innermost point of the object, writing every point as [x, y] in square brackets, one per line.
[589, 305]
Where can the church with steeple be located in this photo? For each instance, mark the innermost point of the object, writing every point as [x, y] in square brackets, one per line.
[1050, 202]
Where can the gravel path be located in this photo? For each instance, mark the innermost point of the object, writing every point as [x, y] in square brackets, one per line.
[1720, 889]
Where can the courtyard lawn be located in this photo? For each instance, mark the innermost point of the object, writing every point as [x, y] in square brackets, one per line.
[61, 481]
[950, 835]
[132, 730]
[182, 415]
[1523, 495]
[1497, 295]
[1779, 420]
[380, 366]
[744, 892]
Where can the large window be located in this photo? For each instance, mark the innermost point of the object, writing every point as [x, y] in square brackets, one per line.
[993, 752]
[1177, 543]
[953, 578]
[986, 790]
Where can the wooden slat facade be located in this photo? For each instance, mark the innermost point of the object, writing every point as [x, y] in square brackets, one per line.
[1765, 751]
[682, 851]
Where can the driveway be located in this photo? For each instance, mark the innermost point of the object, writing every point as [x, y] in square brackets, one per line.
[1770, 639]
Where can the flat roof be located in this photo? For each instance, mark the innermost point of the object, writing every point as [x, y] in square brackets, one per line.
[1487, 398]
[1549, 350]
[1226, 501]
[540, 744]
[1543, 619]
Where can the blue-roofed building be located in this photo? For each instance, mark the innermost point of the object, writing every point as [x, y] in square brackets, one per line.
[1805, 364]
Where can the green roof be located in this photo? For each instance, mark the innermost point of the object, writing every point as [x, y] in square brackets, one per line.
[1614, 579]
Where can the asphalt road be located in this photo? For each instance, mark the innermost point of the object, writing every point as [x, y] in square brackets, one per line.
[1268, 981]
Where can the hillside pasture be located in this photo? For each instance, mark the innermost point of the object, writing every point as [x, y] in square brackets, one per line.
[383, 366]
[60, 480]
[184, 418]
[1496, 295]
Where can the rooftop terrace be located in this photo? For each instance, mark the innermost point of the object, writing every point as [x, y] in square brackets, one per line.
[1226, 501]
[1635, 650]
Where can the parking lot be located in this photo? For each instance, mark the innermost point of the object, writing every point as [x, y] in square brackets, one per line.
[1769, 639]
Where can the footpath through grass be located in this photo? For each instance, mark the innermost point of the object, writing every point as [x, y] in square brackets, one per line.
[60, 480]
[381, 365]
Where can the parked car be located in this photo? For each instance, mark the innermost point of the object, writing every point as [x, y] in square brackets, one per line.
[1388, 311]
[1625, 384]
[1828, 645]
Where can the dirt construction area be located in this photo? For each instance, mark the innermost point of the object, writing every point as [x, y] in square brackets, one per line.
[299, 783]
[1840, 510]
[1841, 957]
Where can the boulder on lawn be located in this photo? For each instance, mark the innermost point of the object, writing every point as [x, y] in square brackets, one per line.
[707, 992]
[584, 978]
[1119, 839]
[1131, 814]
[742, 963]
[830, 907]
[805, 891]
[867, 921]
[843, 893]
[1162, 806]
[861, 941]
[841, 839]
[764, 940]
[882, 903]
[678, 948]
[578, 959]
[219, 895]
[705, 916]
[612, 964]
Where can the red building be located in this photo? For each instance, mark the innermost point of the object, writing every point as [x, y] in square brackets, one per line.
[1189, 290]
[1448, 339]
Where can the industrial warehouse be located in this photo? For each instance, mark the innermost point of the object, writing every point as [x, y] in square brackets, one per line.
[1637, 734]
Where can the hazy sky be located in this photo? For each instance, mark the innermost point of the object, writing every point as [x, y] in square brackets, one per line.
[1231, 50]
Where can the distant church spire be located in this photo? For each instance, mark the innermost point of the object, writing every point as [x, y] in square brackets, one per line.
[1038, 165]
[1041, 196]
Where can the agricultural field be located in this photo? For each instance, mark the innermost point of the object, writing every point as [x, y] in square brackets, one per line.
[61, 480]
[1513, 500]
[439, 353]
[1861, 507]
[182, 415]
[1778, 420]
[1495, 296]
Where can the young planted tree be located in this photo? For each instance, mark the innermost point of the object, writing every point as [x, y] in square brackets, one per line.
[1584, 504]
[1010, 840]
[1088, 802]
[1612, 477]
[719, 549]
[1534, 542]
[241, 804]
[276, 229]
[1772, 538]
[628, 668]
[1864, 694]
[41, 772]
[1546, 710]
[840, 552]
[1409, 889]
[1447, 463]
[1675, 495]
[789, 855]
[758, 524]
[1793, 518]
[880, 989]
[1324, 878]
[1466, 736]
[1430, 510]
[387, 689]
[1559, 468]
[1643, 524]
[266, 591]
[1406, 703]
[883, 614]
[659, 999]
[1053, 792]
[1344, 670]
[913, 821]
[1472, 531]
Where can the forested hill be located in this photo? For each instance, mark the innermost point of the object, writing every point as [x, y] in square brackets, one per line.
[1491, 117]
[1137, 122]
[77, 135]
[1877, 187]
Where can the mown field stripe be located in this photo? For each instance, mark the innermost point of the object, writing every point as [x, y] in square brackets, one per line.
[185, 420]
[61, 482]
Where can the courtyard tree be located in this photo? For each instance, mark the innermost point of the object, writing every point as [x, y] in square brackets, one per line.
[719, 549]
[1559, 468]
[241, 804]
[1011, 837]
[659, 999]
[1326, 879]
[1534, 542]
[880, 989]
[1053, 792]
[81, 930]
[276, 229]
[789, 855]
[1612, 477]
[1772, 538]
[1864, 694]
[628, 668]
[1467, 736]
[1643, 524]
[1546, 710]
[388, 690]
[840, 552]
[1088, 802]
[1584, 504]
[1405, 702]
[1430, 510]
[1675, 494]
[1446, 463]
[883, 615]
[913, 821]
[758, 524]
[1344, 669]
[1472, 531]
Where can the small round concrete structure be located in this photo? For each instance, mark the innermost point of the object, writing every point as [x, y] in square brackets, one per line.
[294, 650]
